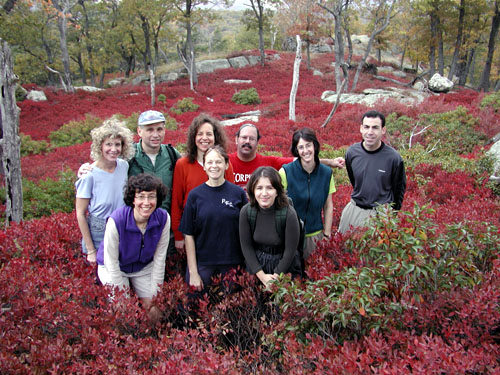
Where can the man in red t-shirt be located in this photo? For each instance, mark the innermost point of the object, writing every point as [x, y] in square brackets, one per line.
[246, 159]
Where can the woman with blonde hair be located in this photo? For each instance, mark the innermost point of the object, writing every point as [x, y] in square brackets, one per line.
[100, 191]
[203, 133]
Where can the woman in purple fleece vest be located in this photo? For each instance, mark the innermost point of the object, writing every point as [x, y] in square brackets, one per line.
[136, 240]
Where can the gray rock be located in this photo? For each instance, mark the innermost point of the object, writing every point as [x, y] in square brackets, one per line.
[208, 66]
[37, 96]
[237, 81]
[440, 84]
[494, 152]
[320, 48]
[419, 85]
[116, 82]
[21, 93]
[238, 62]
[168, 77]
[385, 69]
[399, 73]
[317, 73]
[495, 138]
[239, 120]
[88, 88]
[370, 97]
[140, 79]
[253, 60]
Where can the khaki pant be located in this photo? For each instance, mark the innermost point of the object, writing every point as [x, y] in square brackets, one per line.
[354, 216]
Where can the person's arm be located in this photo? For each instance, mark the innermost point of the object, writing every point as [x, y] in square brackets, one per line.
[328, 215]
[158, 271]
[229, 174]
[284, 181]
[81, 206]
[246, 242]
[292, 234]
[194, 277]
[350, 172]
[112, 254]
[266, 278]
[84, 169]
[399, 185]
[333, 163]
[178, 191]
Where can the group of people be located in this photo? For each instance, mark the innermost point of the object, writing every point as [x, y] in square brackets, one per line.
[225, 210]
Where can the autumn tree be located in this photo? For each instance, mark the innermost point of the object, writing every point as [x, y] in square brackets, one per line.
[303, 18]
[338, 8]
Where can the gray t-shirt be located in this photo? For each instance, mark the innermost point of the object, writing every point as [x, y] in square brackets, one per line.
[104, 189]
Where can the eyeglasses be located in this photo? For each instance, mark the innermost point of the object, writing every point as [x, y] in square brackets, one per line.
[247, 138]
[143, 197]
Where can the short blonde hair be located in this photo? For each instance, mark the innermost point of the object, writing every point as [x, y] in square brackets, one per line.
[111, 128]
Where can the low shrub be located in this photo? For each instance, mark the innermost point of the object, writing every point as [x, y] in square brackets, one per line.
[162, 98]
[246, 97]
[184, 105]
[447, 133]
[31, 147]
[48, 196]
[403, 259]
[74, 132]
[492, 101]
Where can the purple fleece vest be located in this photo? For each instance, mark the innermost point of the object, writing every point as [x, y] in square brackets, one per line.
[136, 250]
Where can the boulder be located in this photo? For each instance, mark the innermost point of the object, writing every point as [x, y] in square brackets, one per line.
[168, 77]
[239, 120]
[37, 96]
[253, 60]
[116, 82]
[208, 66]
[140, 79]
[88, 88]
[320, 48]
[317, 73]
[370, 97]
[238, 62]
[440, 84]
[419, 86]
[21, 93]
[237, 81]
[494, 152]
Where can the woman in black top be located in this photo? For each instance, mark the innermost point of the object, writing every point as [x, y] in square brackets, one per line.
[269, 243]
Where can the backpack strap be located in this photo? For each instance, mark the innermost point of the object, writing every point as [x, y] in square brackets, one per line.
[280, 219]
[252, 217]
[172, 154]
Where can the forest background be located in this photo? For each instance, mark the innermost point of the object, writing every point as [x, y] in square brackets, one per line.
[417, 292]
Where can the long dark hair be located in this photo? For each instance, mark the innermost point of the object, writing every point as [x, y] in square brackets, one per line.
[275, 179]
[307, 134]
[198, 121]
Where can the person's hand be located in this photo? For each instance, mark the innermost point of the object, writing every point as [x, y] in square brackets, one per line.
[195, 281]
[92, 256]
[84, 169]
[154, 314]
[266, 278]
[179, 245]
[339, 162]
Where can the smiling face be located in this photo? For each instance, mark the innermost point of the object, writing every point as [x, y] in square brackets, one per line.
[246, 143]
[111, 149]
[205, 137]
[152, 136]
[372, 132]
[264, 192]
[215, 166]
[305, 150]
[144, 205]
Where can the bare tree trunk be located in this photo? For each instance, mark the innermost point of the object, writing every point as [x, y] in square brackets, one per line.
[10, 144]
[64, 9]
[484, 84]
[458, 42]
[295, 82]
[153, 86]
[376, 31]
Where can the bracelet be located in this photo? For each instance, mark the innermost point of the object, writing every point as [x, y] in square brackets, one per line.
[326, 235]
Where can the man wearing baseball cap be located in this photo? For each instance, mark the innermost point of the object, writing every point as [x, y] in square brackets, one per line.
[152, 156]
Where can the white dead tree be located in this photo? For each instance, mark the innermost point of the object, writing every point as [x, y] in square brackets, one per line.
[295, 82]
[10, 142]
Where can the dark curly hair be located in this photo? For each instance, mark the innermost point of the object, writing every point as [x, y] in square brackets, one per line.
[275, 179]
[144, 182]
[198, 121]
[308, 135]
